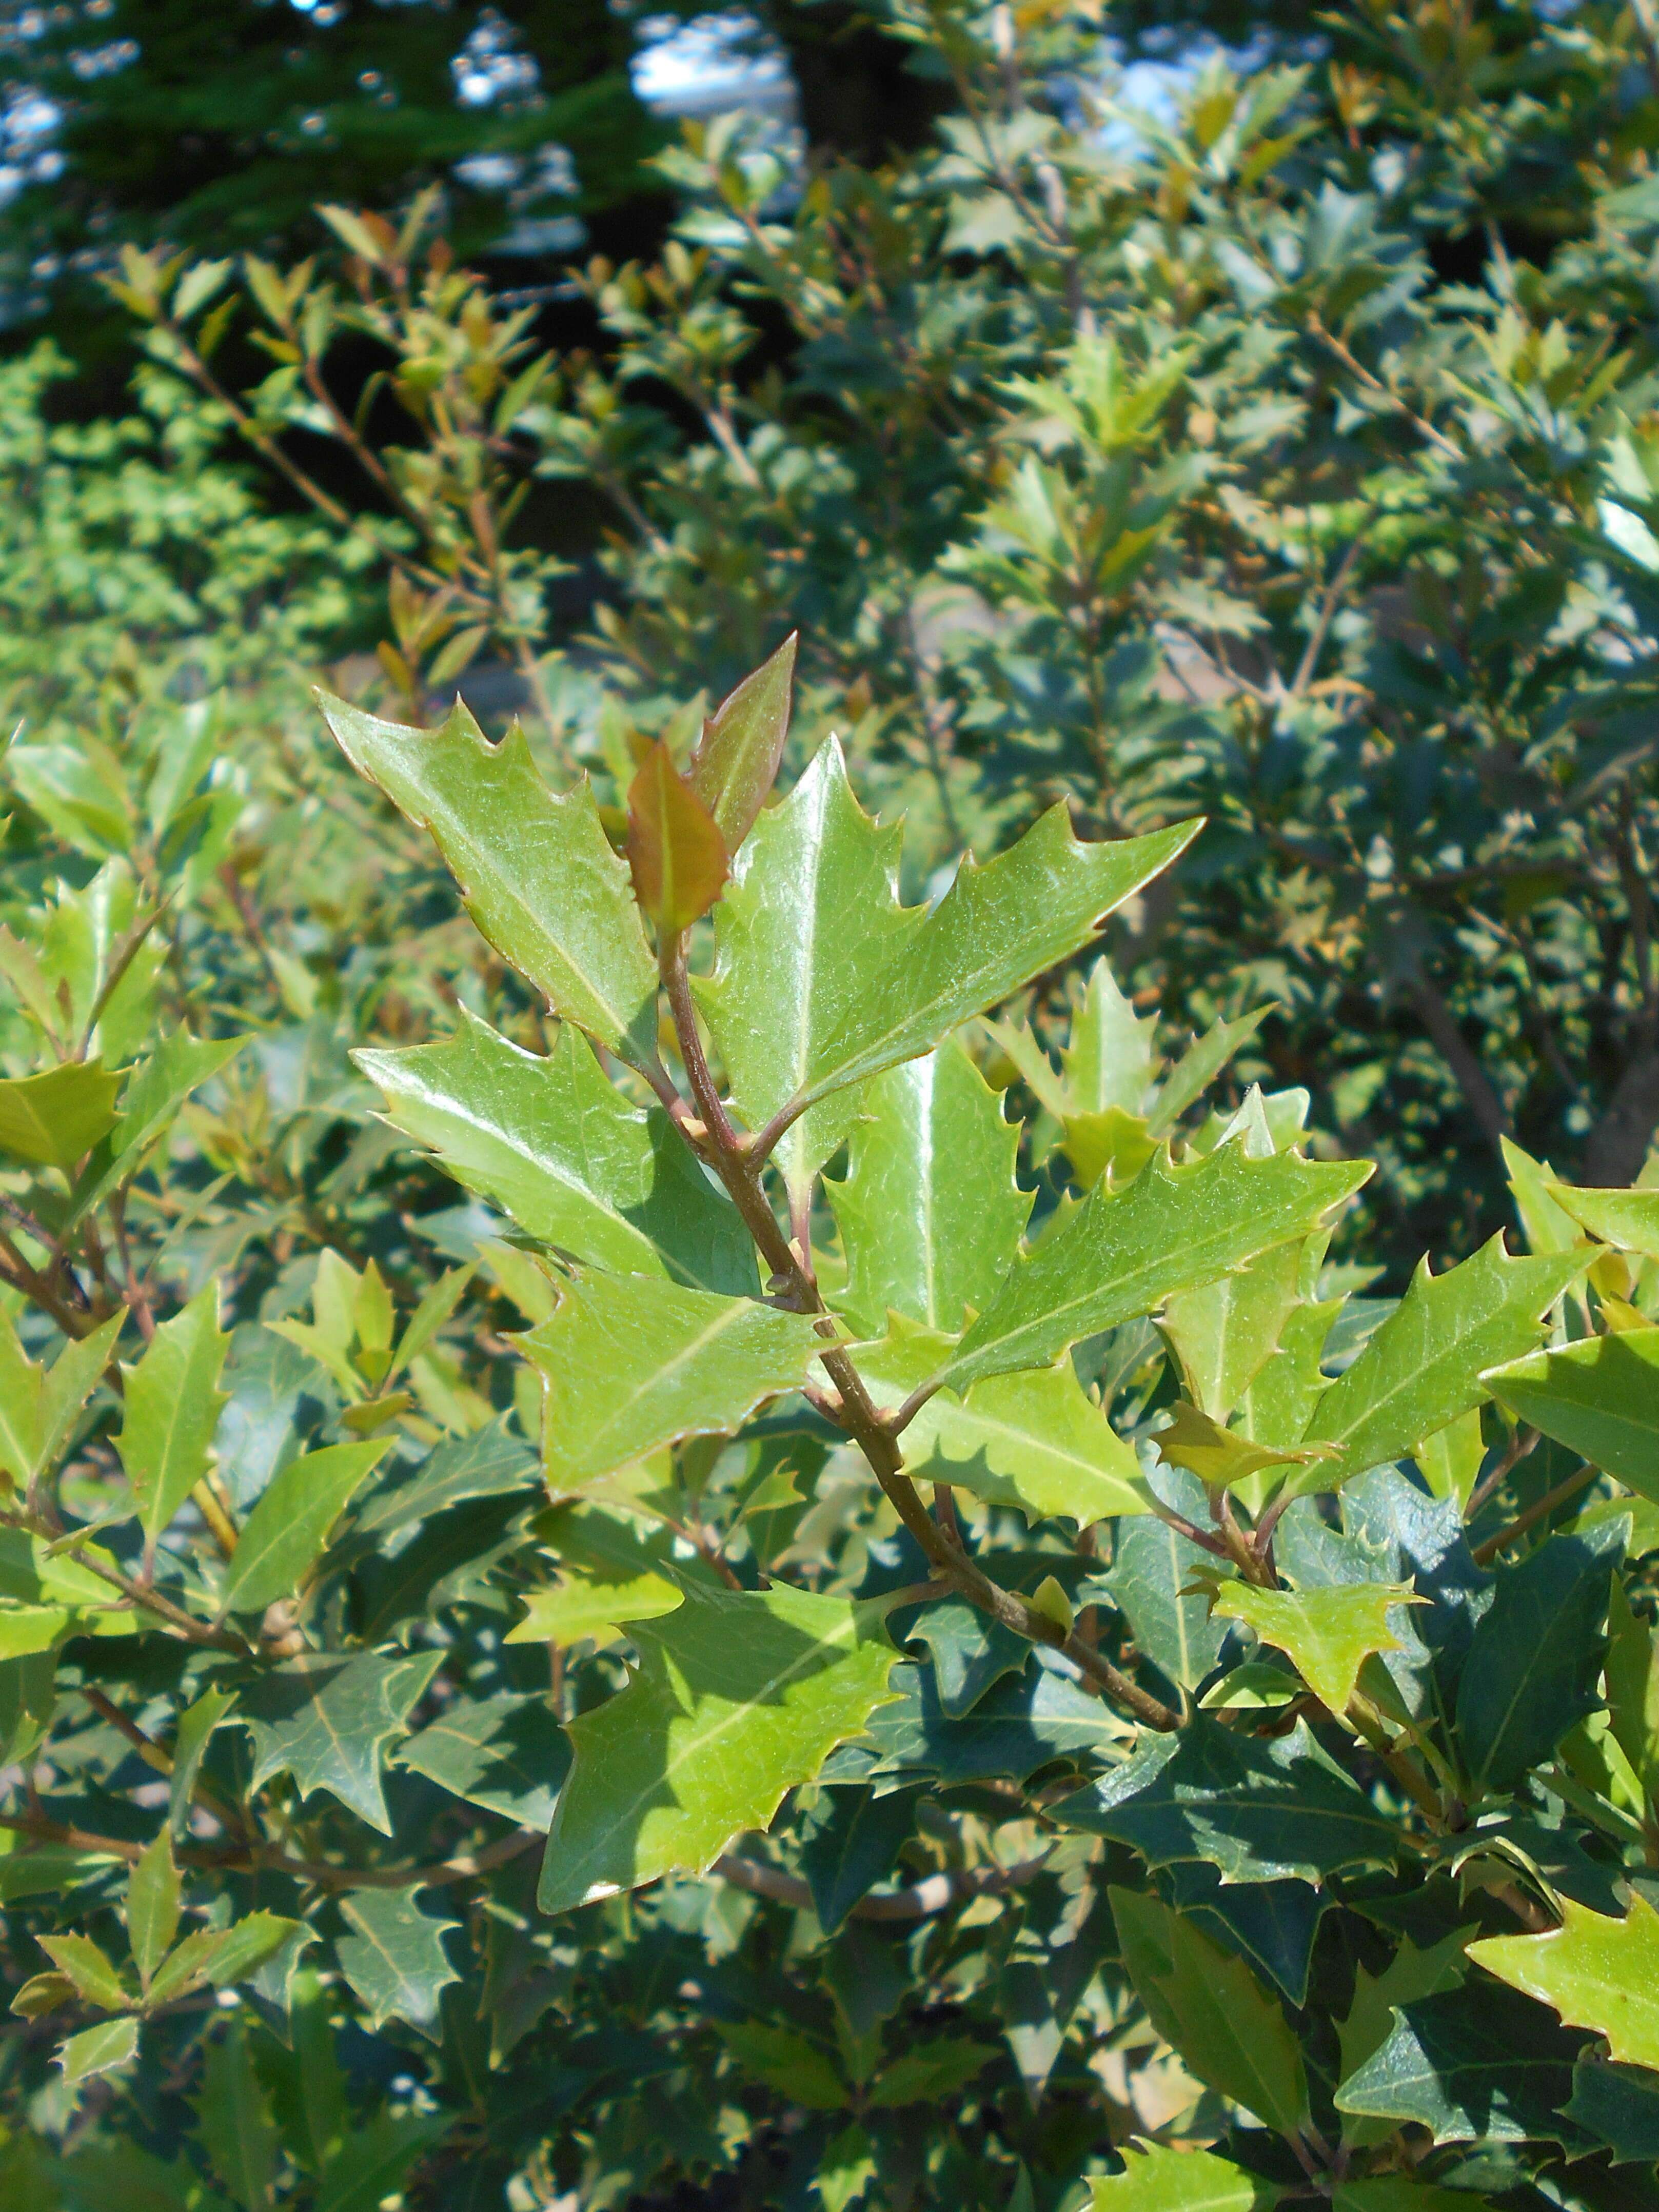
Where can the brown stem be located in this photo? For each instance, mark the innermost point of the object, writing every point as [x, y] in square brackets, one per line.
[1485, 1553]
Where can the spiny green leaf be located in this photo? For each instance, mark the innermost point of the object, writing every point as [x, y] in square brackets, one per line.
[153, 1906]
[1209, 2005]
[1414, 1971]
[1328, 1634]
[810, 918]
[537, 871]
[222, 1955]
[1530, 1673]
[1123, 1252]
[1632, 1680]
[930, 1215]
[99, 2049]
[929, 2070]
[1225, 1332]
[1151, 1579]
[325, 1716]
[576, 1608]
[95, 1979]
[196, 1727]
[676, 855]
[740, 1695]
[507, 1752]
[1627, 1219]
[560, 1148]
[996, 928]
[1599, 1397]
[630, 1364]
[1619, 2105]
[736, 761]
[150, 1107]
[1424, 1365]
[288, 1528]
[54, 1119]
[851, 1844]
[788, 2062]
[1155, 2180]
[395, 1958]
[1470, 2064]
[1260, 1810]
[38, 1404]
[172, 1408]
[1596, 1973]
[1221, 1457]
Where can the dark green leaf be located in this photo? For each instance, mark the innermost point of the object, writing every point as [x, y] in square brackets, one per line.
[325, 1717]
[971, 1652]
[395, 1958]
[507, 1752]
[1013, 1730]
[1479, 2062]
[490, 1462]
[287, 1530]
[850, 1844]
[1619, 2105]
[375, 2160]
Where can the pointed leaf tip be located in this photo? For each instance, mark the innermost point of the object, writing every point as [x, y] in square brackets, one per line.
[736, 761]
[676, 853]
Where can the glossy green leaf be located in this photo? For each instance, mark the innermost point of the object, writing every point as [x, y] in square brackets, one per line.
[196, 1726]
[1123, 1252]
[150, 1101]
[507, 1752]
[559, 1148]
[395, 1958]
[930, 1214]
[1423, 1366]
[172, 1409]
[1415, 1971]
[1151, 1579]
[810, 919]
[1599, 1397]
[1111, 1056]
[736, 761]
[99, 2049]
[676, 855]
[39, 1405]
[1223, 1333]
[1220, 1457]
[740, 1695]
[1327, 1634]
[1011, 1731]
[1532, 1661]
[1595, 1971]
[153, 1905]
[54, 1119]
[287, 1530]
[1626, 1218]
[1207, 2004]
[96, 1979]
[970, 1651]
[1198, 1067]
[1155, 2180]
[1035, 1440]
[325, 1717]
[537, 871]
[1260, 1809]
[1470, 2064]
[850, 1844]
[628, 1364]
[995, 928]
[577, 1607]
[1619, 2107]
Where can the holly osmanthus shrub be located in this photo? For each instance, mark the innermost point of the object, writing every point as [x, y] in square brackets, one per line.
[1015, 1675]
[1369, 1842]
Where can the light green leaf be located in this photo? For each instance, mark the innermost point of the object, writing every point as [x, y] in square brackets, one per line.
[740, 1696]
[395, 1959]
[1208, 2003]
[676, 854]
[1547, 1228]
[1110, 1059]
[1423, 1366]
[1223, 1333]
[846, 2169]
[70, 1380]
[1632, 1680]
[1599, 1397]
[930, 1215]
[1123, 1252]
[1155, 2180]
[577, 1607]
[1327, 1634]
[196, 1726]
[150, 1107]
[153, 1906]
[55, 1119]
[736, 761]
[995, 928]
[222, 1955]
[94, 1978]
[1449, 1460]
[810, 919]
[99, 2049]
[288, 1528]
[172, 1408]
[38, 1405]
[537, 871]
[558, 1147]
[1034, 1440]
[1198, 1067]
[630, 1364]
[1627, 1219]
[1596, 1972]
[1220, 1457]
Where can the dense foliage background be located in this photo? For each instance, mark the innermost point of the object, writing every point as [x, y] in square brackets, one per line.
[1291, 459]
